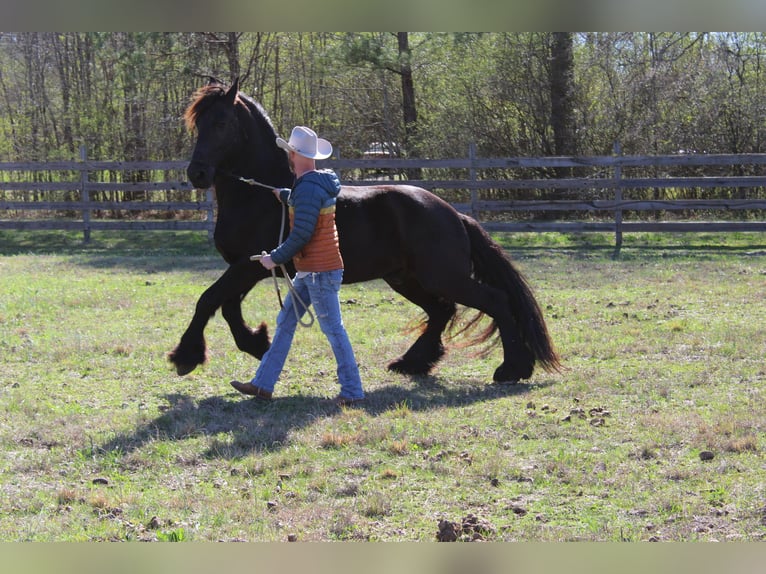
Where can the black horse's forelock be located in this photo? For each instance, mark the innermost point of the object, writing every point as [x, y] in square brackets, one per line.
[202, 99]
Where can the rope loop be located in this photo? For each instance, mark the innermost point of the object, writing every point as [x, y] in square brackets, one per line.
[296, 298]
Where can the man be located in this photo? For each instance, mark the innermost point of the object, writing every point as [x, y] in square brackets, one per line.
[313, 246]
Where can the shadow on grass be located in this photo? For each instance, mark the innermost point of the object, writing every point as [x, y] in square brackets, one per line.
[247, 425]
[191, 250]
[645, 253]
[163, 262]
[144, 251]
[125, 243]
[636, 246]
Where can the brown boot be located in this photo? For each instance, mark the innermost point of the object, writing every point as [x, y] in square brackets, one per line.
[251, 390]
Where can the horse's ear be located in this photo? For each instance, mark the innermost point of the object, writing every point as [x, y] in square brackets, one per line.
[233, 89]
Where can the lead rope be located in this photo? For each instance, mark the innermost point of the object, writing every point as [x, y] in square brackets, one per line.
[296, 298]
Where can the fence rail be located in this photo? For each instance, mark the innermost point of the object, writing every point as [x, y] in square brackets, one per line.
[70, 190]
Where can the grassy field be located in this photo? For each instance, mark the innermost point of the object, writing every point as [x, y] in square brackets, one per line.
[655, 430]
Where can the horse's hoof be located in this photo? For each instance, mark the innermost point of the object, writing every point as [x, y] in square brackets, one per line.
[184, 369]
[397, 367]
[404, 367]
[187, 358]
[259, 342]
[509, 376]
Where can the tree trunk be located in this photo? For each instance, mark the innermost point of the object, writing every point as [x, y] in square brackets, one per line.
[562, 94]
[408, 100]
[232, 53]
[562, 103]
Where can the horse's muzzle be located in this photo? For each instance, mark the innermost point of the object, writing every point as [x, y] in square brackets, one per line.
[200, 174]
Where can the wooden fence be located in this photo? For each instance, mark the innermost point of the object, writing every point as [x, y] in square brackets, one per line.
[615, 193]
[75, 184]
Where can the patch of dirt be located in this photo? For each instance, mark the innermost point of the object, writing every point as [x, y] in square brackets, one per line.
[470, 529]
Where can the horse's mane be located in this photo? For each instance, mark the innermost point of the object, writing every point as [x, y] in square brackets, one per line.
[260, 115]
[205, 96]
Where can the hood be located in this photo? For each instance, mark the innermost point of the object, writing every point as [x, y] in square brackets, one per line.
[326, 179]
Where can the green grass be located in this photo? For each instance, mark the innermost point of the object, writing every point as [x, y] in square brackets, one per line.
[663, 348]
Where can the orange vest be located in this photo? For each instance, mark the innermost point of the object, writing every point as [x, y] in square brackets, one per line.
[322, 252]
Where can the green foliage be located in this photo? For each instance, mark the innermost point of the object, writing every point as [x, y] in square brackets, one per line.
[122, 94]
[368, 48]
[177, 535]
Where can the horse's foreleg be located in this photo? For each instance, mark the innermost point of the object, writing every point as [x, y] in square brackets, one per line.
[252, 341]
[191, 350]
[236, 281]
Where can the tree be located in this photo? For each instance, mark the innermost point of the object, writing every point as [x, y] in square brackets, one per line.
[512, 94]
[562, 94]
[409, 109]
[375, 51]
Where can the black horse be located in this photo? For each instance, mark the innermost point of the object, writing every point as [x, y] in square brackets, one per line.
[417, 243]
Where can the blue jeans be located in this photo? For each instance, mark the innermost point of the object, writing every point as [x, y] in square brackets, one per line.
[320, 290]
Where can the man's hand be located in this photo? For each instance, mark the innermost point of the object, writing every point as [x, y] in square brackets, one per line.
[267, 262]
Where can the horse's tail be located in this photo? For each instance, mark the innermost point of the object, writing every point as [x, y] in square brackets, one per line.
[493, 267]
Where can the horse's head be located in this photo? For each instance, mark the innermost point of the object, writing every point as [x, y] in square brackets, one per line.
[214, 115]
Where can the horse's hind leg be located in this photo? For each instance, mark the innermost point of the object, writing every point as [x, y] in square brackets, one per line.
[426, 351]
[518, 362]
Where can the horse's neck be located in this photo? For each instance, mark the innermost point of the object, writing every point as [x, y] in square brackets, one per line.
[265, 161]
[248, 216]
[270, 170]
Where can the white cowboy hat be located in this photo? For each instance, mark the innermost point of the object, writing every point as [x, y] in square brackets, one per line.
[304, 141]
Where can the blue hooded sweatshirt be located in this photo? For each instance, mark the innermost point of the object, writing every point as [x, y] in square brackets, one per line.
[313, 240]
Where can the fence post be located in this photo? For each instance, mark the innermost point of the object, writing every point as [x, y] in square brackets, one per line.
[618, 198]
[84, 194]
[337, 156]
[472, 177]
